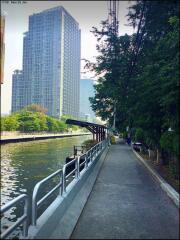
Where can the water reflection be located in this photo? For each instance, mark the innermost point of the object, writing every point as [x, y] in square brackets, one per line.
[23, 164]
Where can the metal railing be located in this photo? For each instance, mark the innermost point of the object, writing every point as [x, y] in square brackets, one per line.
[35, 203]
[80, 166]
[89, 157]
[78, 150]
[23, 219]
[65, 177]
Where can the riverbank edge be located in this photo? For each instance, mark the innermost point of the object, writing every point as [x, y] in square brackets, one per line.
[38, 137]
[170, 191]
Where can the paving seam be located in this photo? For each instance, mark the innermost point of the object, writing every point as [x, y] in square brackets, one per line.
[91, 191]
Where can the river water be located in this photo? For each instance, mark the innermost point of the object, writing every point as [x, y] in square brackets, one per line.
[23, 164]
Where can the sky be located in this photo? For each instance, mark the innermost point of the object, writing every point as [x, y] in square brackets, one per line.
[86, 13]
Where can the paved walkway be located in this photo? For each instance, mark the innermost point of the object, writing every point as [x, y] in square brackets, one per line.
[126, 203]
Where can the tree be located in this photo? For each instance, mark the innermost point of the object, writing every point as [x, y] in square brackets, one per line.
[42, 121]
[139, 135]
[150, 75]
[52, 124]
[112, 89]
[9, 123]
[62, 127]
[36, 108]
[28, 121]
[141, 73]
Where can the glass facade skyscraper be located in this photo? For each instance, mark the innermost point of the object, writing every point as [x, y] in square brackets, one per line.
[51, 62]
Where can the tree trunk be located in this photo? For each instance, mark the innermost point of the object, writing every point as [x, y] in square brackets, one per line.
[157, 156]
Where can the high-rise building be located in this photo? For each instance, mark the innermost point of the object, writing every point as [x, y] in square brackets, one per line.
[86, 91]
[2, 47]
[51, 62]
[17, 89]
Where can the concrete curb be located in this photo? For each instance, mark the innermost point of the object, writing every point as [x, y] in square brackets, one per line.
[171, 192]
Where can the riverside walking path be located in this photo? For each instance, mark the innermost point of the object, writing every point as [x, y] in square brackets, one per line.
[126, 202]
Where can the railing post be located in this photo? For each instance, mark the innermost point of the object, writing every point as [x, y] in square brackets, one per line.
[74, 152]
[63, 189]
[34, 207]
[91, 155]
[109, 143]
[60, 179]
[86, 161]
[78, 168]
[26, 212]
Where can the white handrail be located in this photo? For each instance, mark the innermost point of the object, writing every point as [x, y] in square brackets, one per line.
[90, 156]
[36, 203]
[23, 219]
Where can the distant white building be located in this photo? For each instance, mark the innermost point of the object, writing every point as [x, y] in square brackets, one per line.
[86, 91]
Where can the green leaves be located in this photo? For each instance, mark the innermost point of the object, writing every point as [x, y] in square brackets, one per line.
[146, 94]
[112, 87]
[9, 123]
[170, 142]
[139, 135]
[32, 121]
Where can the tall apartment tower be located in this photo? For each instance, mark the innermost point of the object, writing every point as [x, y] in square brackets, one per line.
[51, 62]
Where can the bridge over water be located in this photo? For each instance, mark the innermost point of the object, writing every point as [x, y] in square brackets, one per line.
[113, 197]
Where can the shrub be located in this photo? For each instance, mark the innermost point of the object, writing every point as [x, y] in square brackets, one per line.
[89, 144]
[139, 135]
[62, 127]
[169, 141]
[9, 123]
[112, 139]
